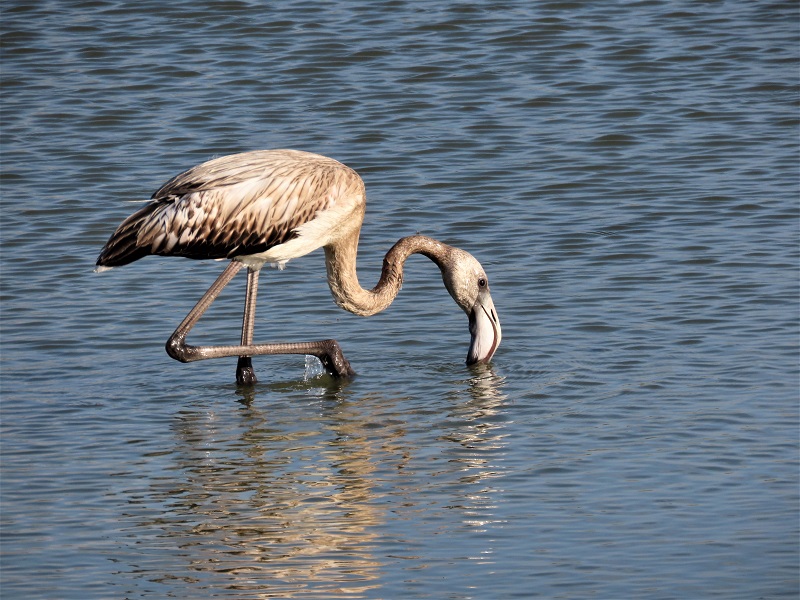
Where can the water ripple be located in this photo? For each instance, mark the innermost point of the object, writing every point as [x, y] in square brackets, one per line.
[627, 174]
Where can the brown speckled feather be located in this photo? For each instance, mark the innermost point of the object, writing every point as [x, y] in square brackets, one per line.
[232, 206]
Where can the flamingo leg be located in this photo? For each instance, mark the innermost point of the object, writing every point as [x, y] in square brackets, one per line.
[245, 375]
[328, 351]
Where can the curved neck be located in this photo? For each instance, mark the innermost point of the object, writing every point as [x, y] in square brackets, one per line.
[340, 259]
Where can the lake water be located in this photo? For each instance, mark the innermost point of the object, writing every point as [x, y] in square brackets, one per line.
[627, 173]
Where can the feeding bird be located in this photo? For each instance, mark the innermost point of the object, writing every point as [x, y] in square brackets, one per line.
[269, 207]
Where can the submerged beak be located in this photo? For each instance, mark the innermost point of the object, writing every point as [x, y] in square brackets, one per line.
[484, 327]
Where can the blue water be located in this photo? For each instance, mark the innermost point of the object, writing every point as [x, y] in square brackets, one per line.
[627, 173]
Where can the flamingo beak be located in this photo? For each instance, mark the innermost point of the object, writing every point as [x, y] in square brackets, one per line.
[484, 327]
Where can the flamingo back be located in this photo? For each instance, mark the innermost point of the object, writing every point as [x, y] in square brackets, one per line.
[242, 205]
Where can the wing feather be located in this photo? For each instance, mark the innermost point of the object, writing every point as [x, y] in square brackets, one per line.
[231, 206]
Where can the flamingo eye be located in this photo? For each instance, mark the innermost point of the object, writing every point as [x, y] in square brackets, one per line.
[482, 282]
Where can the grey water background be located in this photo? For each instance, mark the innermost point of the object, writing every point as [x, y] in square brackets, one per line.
[627, 172]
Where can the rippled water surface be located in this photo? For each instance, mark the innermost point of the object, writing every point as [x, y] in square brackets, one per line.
[627, 172]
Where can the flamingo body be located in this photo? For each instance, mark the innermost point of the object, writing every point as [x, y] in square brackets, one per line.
[265, 206]
[271, 206]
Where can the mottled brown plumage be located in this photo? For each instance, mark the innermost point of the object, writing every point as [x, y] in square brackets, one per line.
[237, 205]
[271, 206]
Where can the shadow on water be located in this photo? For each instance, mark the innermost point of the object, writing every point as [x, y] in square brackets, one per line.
[295, 495]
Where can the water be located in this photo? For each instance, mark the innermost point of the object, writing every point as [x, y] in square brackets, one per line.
[627, 173]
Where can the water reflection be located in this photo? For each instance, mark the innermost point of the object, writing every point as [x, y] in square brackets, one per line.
[480, 446]
[482, 427]
[282, 507]
[294, 496]
[485, 387]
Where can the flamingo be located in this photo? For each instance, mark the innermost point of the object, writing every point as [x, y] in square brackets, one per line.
[269, 207]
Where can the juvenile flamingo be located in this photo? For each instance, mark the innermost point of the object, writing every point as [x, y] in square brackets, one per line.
[268, 207]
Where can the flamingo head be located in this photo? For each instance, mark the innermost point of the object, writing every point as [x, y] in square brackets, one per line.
[468, 284]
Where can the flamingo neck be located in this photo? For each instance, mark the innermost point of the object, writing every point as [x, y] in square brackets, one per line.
[340, 259]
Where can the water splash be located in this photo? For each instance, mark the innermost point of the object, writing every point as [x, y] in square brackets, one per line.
[314, 368]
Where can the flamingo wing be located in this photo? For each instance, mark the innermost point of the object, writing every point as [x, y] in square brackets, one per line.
[232, 206]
